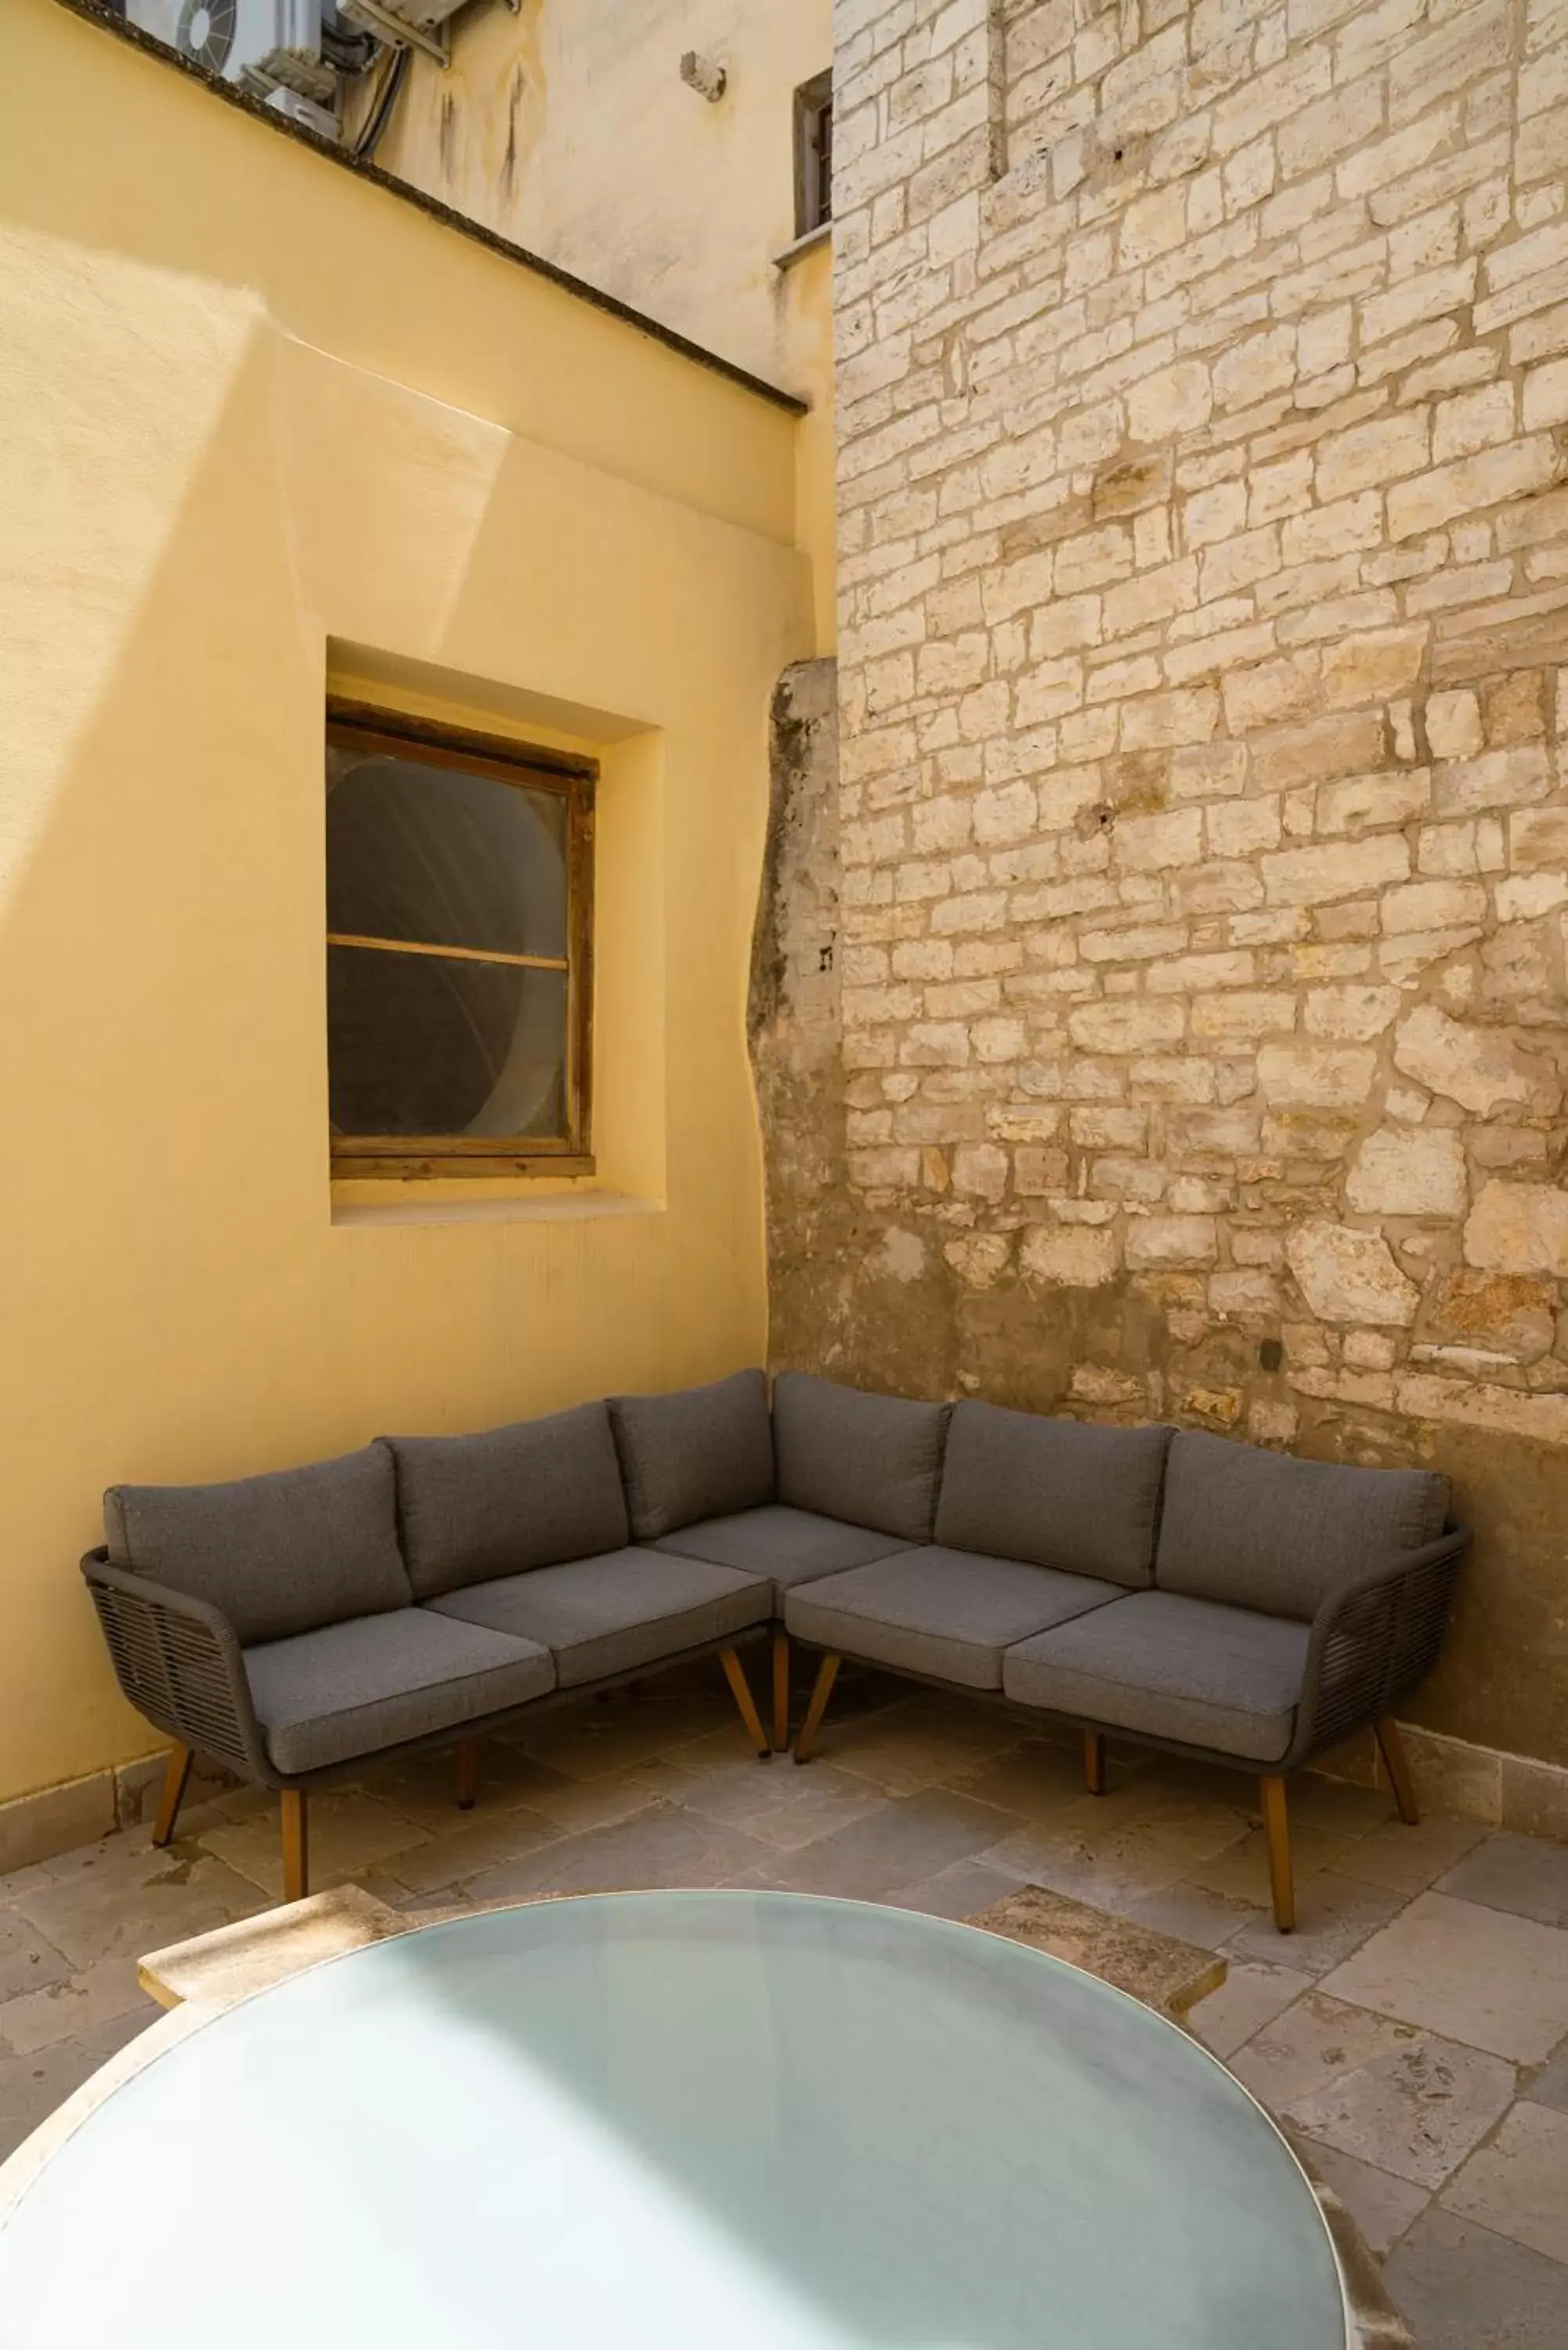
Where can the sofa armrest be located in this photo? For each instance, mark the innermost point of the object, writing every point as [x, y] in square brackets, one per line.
[1372, 1640]
[178, 1662]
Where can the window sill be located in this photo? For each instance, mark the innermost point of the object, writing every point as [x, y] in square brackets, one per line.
[802, 245]
[554, 1207]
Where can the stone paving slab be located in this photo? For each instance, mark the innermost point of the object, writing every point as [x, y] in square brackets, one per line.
[229, 1963]
[1518, 2184]
[1482, 1976]
[1162, 1973]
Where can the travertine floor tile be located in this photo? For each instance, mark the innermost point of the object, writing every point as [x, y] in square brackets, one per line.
[1313, 2045]
[448, 1860]
[348, 1832]
[905, 1841]
[1466, 2288]
[423, 1787]
[1334, 1915]
[1382, 2206]
[1408, 1859]
[572, 1806]
[1416, 2110]
[1494, 1982]
[659, 1846]
[1519, 1874]
[1549, 2086]
[1036, 1779]
[1240, 1871]
[962, 1891]
[785, 1807]
[584, 1741]
[27, 1962]
[921, 1741]
[1519, 2184]
[32, 2086]
[63, 2011]
[170, 1895]
[1190, 1914]
[1250, 1996]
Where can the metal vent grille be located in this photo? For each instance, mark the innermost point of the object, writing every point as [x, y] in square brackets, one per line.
[206, 32]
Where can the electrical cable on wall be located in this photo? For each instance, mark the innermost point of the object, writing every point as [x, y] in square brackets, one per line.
[375, 123]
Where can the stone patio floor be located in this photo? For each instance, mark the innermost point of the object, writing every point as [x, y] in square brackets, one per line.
[1416, 2028]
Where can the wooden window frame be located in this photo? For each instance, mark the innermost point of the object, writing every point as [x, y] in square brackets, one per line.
[812, 177]
[423, 1158]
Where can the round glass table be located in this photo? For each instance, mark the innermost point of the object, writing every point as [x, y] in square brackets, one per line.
[698, 2119]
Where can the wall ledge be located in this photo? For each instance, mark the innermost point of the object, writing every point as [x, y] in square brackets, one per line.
[230, 94]
[802, 245]
[554, 1207]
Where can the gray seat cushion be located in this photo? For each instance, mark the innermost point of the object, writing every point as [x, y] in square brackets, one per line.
[609, 1614]
[949, 1613]
[702, 1452]
[353, 1688]
[1173, 1667]
[791, 1545]
[278, 1555]
[473, 1507]
[1059, 1492]
[1256, 1529]
[871, 1460]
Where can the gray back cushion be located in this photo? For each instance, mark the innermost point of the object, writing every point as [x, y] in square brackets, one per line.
[872, 1459]
[278, 1555]
[473, 1507]
[1264, 1530]
[702, 1452]
[1054, 1493]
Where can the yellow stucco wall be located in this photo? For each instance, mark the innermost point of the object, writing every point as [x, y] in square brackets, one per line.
[564, 125]
[264, 422]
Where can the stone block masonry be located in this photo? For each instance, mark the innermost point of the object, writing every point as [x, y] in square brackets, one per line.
[1202, 835]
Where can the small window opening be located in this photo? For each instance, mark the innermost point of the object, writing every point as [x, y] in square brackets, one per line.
[814, 154]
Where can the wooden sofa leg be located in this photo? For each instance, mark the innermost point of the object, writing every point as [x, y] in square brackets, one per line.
[176, 1779]
[1094, 1761]
[296, 1845]
[1276, 1827]
[1391, 1746]
[781, 1691]
[467, 1773]
[740, 1690]
[805, 1737]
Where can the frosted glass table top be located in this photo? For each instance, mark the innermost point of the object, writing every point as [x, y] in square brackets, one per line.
[682, 2121]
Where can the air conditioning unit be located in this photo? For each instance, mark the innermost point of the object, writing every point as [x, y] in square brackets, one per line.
[419, 24]
[272, 46]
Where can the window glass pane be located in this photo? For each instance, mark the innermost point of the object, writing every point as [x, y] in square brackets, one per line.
[424, 1044]
[452, 860]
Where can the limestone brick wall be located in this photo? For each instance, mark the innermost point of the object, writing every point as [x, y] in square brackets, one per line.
[1203, 414]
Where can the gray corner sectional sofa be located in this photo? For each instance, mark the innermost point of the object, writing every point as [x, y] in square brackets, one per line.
[1175, 1589]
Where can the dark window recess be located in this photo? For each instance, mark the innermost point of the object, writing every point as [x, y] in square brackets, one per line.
[814, 154]
[458, 879]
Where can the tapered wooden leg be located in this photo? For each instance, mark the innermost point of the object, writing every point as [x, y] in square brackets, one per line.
[296, 1845]
[1276, 1827]
[1094, 1762]
[805, 1737]
[1391, 1746]
[781, 1691]
[176, 1779]
[467, 1773]
[741, 1690]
